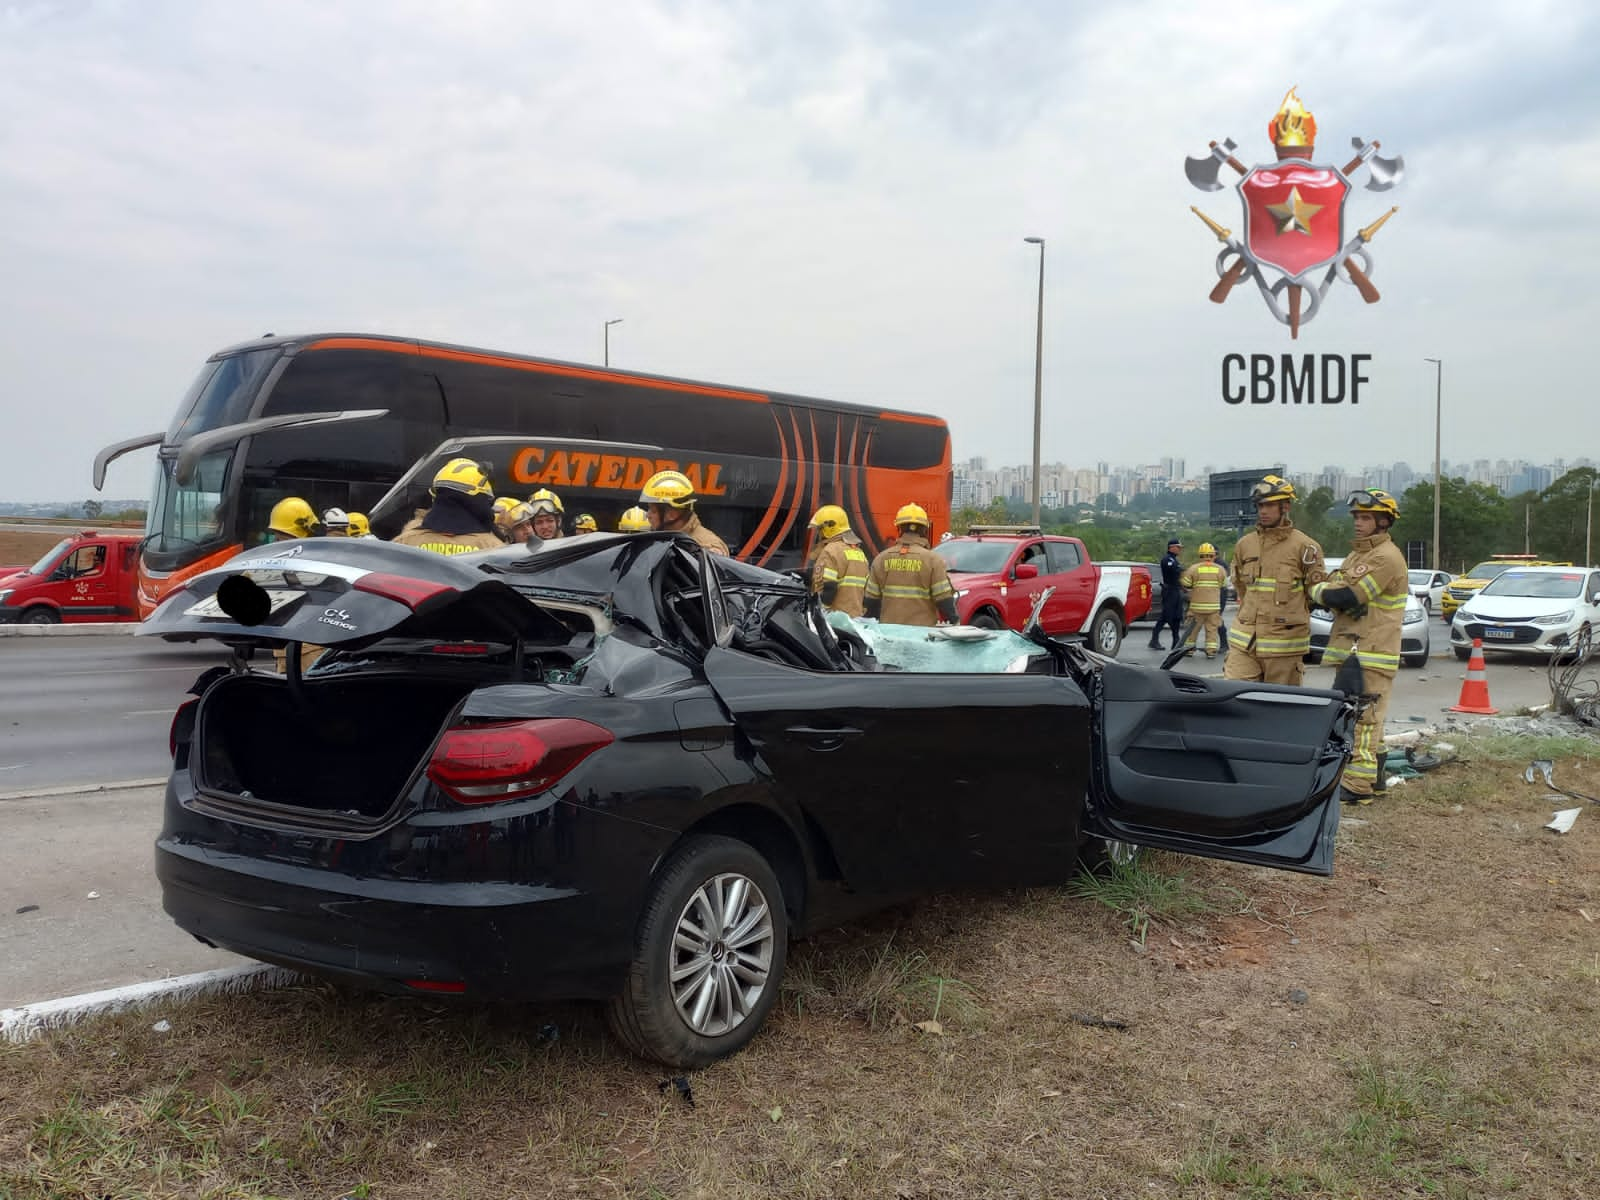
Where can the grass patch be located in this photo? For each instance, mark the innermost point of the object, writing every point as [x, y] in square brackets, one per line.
[1424, 1023]
[1143, 891]
[1523, 749]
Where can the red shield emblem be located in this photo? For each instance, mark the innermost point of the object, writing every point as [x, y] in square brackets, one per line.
[1294, 215]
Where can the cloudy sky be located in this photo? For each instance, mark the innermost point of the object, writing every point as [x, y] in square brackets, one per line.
[827, 198]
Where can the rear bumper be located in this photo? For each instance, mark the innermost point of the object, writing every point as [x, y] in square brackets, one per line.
[502, 941]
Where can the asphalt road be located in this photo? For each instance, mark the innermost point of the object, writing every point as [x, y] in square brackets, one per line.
[90, 710]
[1421, 695]
[80, 868]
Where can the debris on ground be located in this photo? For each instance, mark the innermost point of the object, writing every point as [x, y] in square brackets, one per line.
[161, 1026]
[1546, 769]
[1094, 1022]
[1564, 820]
[27, 908]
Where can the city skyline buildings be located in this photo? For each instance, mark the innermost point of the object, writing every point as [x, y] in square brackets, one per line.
[976, 484]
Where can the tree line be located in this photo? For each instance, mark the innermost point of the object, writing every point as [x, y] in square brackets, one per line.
[1475, 521]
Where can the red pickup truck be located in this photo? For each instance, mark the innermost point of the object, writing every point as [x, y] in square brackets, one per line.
[997, 571]
[87, 577]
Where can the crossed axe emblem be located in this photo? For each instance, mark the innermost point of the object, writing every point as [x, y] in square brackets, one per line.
[1293, 303]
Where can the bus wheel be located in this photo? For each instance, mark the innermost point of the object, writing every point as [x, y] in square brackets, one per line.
[40, 616]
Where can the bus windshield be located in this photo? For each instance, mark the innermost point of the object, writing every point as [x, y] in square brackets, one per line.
[222, 392]
[187, 514]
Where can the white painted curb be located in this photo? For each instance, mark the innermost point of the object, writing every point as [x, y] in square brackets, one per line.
[30, 1020]
[87, 629]
[84, 789]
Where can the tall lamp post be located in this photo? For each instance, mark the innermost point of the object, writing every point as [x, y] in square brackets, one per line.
[607, 337]
[1438, 483]
[1038, 375]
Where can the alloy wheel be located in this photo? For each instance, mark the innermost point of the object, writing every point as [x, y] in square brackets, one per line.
[722, 948]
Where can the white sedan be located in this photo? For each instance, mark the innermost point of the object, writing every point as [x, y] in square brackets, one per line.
[1541, 609]
[1413, 633]
[1428, 586]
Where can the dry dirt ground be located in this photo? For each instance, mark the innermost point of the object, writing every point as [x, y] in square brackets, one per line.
[1425, 1023]
[19, 549]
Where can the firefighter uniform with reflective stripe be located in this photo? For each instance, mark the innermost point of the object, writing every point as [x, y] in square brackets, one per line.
[910, 581]
[1375, 571]
[1273, 572]
[449, 543]
[702, 535]
[1203, 582]
[842, 563]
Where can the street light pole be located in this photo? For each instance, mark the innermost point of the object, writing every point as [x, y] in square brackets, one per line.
[1588, 526]
[1038, 375]
[607, 336]
[1438, 484]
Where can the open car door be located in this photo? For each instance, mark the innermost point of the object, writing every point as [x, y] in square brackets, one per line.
[1219, 768]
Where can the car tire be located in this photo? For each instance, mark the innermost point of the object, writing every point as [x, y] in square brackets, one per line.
[985, 619]
[710, 1011]
[1462, 652]
[40, 616]
[1414, 660]
[1105, 633]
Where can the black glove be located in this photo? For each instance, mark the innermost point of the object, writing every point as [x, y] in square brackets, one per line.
[1342, 599]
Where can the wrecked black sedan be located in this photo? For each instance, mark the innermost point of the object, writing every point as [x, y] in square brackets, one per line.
[623, 769]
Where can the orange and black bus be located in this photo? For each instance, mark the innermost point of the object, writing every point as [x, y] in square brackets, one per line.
[339, 418]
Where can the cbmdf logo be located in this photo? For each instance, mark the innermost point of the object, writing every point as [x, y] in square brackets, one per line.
[1296, 239]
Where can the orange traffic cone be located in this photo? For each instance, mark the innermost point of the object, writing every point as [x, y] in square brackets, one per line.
[1474, 688]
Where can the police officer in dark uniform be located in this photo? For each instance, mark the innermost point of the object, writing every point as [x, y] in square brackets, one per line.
[1171, 596]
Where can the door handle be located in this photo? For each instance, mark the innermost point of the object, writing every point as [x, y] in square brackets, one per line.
[823, 739]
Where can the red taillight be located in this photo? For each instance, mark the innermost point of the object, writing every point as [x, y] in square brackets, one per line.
[467, 648]
[177, 718]
[410, 592]
[482, 764]
[436, 985]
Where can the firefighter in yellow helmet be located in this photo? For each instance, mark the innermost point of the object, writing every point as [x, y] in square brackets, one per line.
[502, 506]
[516, 523]
[633, 520]
[360, 527]
[668, 502]
[1203, 583]
[291, 518]
[838, 569]
[461, 518]
[585, 524]
[908, 584]
[1275, 568]
[1367, 594]
[547, 510]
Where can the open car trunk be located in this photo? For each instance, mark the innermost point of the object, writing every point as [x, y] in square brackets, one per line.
[341, 746]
